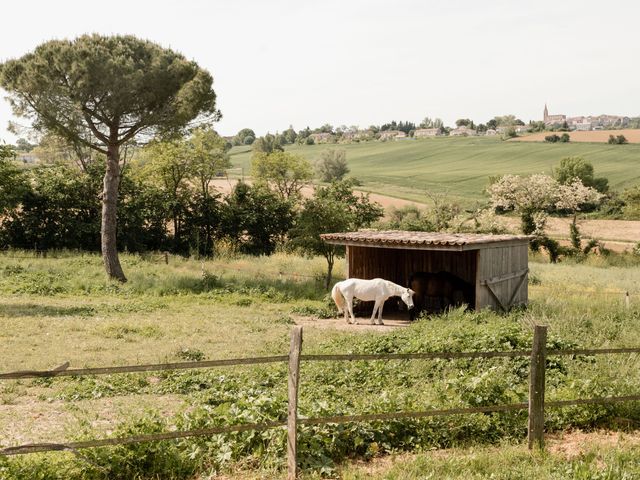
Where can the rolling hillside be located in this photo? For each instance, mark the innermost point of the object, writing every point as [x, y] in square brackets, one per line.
[462, 166]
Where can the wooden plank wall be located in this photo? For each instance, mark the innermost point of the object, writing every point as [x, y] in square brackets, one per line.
[493, 262]
[398, 265]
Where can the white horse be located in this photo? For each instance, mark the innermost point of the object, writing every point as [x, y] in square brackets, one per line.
[377, 290]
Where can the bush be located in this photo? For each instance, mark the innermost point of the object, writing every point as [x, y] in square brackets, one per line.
[617, 140]
[332, 165]
[552, 138]
[565, 138]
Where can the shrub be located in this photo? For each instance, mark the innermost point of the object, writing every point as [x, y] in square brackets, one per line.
[552, 138]
[617, 140]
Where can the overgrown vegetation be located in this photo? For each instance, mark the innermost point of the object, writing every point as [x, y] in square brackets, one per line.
[242, 307]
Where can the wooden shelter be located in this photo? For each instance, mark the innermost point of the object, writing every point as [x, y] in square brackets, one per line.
[496, 266]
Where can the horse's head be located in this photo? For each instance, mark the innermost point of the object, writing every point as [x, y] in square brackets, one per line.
[407, 297]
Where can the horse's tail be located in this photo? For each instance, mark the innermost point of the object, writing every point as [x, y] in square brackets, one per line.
[336, 294]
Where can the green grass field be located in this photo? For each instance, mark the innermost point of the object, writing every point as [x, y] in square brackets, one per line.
[61, 309]
[462, 166]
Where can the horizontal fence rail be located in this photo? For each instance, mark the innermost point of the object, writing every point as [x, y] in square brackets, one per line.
[587, 351]
[152, 437]
[153, 367]
[414, 356]
[64, 371]
[293, 420]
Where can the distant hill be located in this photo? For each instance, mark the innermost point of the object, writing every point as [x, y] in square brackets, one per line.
[462, 165]
[598, 136]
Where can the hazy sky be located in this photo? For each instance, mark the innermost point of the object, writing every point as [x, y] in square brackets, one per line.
[350, 62]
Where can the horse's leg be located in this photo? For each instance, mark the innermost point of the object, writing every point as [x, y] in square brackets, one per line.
[376, 307]
[380, 309]
[350, 307]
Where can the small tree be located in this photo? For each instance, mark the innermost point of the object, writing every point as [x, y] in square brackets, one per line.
[266, 144]
[285, 172]
[572, 197]
[332, 165]
[255, 219]
[577, 167]
[509, 133]
[166, 165]
[631, 198]
[7, 152]
[207, 159]
[335, 208]
[13, 183]
[531, 197]
[242, 136]
[534, 196]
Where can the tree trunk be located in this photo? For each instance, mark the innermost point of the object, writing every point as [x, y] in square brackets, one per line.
[329, 271]
[109, 215]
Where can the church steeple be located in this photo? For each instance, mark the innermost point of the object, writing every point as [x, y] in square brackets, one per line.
[546, 113]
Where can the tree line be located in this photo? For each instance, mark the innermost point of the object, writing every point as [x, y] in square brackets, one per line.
[167, 202]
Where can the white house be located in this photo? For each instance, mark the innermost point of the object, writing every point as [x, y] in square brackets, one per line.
[426, 132]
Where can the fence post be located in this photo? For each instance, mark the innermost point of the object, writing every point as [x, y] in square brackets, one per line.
[292, 415]
[536, 386]
[627, 303]
[166, 258]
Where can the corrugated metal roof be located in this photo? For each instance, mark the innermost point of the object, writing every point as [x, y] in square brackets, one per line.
[398, 239]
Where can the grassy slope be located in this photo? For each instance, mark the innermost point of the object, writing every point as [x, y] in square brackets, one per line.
[462, 165]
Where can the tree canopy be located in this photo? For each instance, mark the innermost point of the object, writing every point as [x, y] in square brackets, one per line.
[577, 167]
[332, 165]
[284, 172]
[246, 136]
[335, 208]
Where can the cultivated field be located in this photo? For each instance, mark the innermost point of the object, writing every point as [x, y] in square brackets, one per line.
[617, 235]
[462, 166]
[60, 309]
[597, 136]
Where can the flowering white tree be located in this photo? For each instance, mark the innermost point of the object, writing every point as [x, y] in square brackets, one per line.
[574, 195]
[533, 196]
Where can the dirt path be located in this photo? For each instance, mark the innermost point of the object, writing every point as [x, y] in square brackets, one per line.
[618, 235]
[30, 421]
[391, 323]
[225, 186]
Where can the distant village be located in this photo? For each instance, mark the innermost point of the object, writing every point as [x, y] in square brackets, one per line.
[599, 122]
[556, 122]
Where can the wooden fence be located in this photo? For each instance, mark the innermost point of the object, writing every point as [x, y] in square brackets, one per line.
[536, 403]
